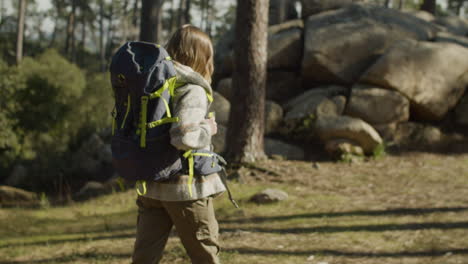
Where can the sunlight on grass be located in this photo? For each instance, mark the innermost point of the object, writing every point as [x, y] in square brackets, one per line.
[341, 213]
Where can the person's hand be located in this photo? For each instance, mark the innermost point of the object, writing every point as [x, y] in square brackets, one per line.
[213, 125]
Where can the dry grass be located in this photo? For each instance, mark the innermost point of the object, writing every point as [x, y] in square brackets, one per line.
[398, 209]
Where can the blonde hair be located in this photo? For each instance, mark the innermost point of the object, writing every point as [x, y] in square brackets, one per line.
[192, 47]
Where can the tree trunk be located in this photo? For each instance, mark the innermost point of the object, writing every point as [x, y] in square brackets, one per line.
[135, 13]
[102, 52]
[429, 6]
[245, 136]
[387, 3]
[2, 10]
[187, 17]
[209, 16]
[172, 21]
[150, 20]
[401, 3]
[203, 14]
[110, 32]
[83, 38]
[70, 38]
[58, 8]
[181, 13]
[20, 31]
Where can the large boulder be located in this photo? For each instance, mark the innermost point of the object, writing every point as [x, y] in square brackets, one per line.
[269, 196]
[219, 140]
[455, 25]
[417, 136]
[222, 107]
[285, 150]
[224, 87]
[273, 117]
[424, 15]
[281, 10]
[90, 190]
[19, 176]
[345, 127]
[312, 7]
[376, 105]
[337, 148]
[340, 45]
[224, 54]
[285, 49]
[448, 37]
[10, 196]
[461, 111]
[282, 85]
[317, 102]
[93, 158]
[432, 75]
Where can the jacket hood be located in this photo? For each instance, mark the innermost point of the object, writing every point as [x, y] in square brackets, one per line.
[187, 75]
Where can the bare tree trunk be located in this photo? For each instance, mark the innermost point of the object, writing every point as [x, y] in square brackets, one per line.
[181, 13]
[429, 6]
[401, 3]
[187, 17]
[203, 14]
[135, 13]
[83, 38]
[70, 38]
[387, 3]
[102, 52]
[20, 31]
[172, 21]
[110, 31]
[58, 8]
[2, 10]
[245, 136]
[210, 9]
[150, 20]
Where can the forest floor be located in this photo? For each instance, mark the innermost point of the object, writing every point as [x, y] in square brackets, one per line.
[408, 208]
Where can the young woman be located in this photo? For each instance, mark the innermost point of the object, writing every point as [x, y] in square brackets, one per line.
[169, 203]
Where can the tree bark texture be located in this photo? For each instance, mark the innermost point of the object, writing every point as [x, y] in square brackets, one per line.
[429, 6]
[246, 128]
[20, 31]
[150, 20]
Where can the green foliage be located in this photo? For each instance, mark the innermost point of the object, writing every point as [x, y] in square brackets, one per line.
[49, 105]
[379, 151]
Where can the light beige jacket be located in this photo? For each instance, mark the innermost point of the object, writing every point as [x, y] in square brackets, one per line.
[190, 103]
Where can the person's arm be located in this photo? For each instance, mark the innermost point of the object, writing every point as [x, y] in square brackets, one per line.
[192, 131]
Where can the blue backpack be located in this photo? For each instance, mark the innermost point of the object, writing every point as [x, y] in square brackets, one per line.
[144, 79]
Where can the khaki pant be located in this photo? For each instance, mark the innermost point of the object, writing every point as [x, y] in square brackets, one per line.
[195, 223]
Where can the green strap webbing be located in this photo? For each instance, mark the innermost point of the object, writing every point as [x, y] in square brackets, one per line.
[141, 184]
[189, 154]
[162, 122]
[143, 118]
[210, 97]
[166, 104]
[127, 112]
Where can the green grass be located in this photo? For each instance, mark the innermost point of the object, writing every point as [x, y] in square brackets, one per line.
[396, 209]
